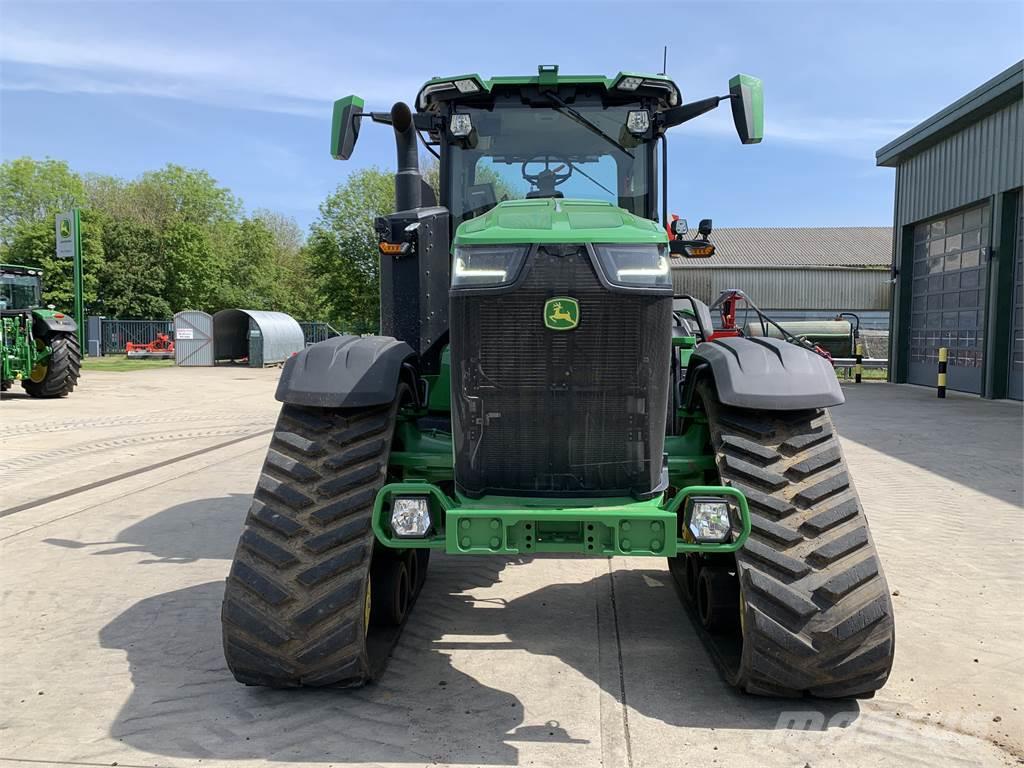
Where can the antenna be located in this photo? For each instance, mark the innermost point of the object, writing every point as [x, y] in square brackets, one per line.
[664, 61]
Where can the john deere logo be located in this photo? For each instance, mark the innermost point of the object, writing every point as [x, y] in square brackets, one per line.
[65, 228]
[561, 313]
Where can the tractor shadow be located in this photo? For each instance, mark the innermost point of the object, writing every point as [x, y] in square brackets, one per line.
[473, 632]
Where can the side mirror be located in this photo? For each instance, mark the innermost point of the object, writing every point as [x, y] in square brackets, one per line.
[345, 126]
[704, 228]
[747, 98]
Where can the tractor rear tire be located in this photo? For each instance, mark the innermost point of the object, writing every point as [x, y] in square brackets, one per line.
[62, 369]
[300, 600]
[814, 607]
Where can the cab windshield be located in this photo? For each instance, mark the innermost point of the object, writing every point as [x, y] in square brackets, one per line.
[19, 291]
[518, 152]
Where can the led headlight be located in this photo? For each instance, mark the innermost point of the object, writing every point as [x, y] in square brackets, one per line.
[486, 266]
[467, 86]
[410, 517]
[638, 266]
[460, 125]
[629, 83]
[638, 121]
[708, 519]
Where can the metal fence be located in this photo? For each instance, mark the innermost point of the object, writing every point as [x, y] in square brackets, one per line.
[115, 334]
[318, 331]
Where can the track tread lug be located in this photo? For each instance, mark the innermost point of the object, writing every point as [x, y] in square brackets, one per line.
[839, 547]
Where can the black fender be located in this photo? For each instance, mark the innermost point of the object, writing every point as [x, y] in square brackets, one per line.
[765, 374]
[345, 372]
[45, 324]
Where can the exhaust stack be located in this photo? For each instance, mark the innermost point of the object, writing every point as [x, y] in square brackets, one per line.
[408, 180]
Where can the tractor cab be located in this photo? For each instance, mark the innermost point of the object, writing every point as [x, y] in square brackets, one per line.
[20, 287]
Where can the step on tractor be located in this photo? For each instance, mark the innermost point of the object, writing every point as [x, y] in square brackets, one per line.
[39, 344]
[537, 388]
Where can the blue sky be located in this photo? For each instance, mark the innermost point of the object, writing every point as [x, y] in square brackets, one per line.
[244, 89]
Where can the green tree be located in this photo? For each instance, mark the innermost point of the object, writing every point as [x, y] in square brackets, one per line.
[33, 191]
[132, 277]
[193, 277]
[295, 290]
[343, 249]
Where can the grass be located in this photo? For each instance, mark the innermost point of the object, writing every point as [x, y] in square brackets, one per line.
[870, 374]
[120, 363]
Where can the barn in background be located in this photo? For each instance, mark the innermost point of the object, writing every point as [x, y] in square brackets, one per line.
[797, 272]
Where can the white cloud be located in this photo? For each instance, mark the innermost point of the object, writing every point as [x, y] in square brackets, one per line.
[853, 136]
[293, 82]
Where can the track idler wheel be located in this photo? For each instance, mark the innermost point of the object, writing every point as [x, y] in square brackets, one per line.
[391, 590]
[718, 599]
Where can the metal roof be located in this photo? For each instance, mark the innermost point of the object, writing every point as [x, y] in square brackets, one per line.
[797, 247]
[982, 101]
[234, 331]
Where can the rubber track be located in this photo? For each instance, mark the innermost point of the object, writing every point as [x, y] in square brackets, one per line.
[293, 604]
[63, 369]
[818, 614]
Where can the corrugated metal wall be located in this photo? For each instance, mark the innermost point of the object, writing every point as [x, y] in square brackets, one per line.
[803, 288]
[983, 162]
[265, 338]
[982, 159]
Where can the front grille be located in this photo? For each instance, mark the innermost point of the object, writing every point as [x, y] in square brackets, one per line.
[536, 411]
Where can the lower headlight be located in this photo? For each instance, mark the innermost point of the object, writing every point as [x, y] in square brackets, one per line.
[486, 266]
[410, 517]
[635, 266]
[708, 519]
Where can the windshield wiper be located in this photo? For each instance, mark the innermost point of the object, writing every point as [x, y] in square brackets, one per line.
[588, 176]
[579, 118]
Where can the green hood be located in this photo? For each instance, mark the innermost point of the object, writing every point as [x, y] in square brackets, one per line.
[557, 220]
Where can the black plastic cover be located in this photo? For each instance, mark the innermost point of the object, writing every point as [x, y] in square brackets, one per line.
[344, 372]
[43, 325]
[769, 374]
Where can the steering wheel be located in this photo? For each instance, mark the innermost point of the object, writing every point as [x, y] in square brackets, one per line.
[545, 181]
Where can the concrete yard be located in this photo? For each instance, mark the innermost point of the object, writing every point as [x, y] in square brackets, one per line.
[111, 598]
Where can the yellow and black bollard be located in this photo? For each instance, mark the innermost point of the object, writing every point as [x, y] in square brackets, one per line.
[858, 369]
[943, 361]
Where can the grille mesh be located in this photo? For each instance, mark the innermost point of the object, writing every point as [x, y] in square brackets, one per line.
[542, 411]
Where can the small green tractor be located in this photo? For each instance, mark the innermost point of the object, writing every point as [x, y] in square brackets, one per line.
[539, 388]
[39, 345]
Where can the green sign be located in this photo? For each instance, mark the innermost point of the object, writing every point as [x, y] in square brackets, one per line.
[561, 313]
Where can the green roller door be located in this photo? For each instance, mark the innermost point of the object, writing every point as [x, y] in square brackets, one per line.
[948, 300]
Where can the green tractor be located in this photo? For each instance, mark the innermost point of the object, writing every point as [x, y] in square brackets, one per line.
[537, 388]
[39, 345]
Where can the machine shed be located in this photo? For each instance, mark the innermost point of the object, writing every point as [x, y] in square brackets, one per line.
[263, 338]
[958, 257]
[797, 273]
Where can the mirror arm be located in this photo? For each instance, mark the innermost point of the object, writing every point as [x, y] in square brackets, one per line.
[684, 112]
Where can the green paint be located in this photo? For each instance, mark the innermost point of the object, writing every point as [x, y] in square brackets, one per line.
[339, 130]
[502, 525]
[751, 90]
[20, 351]
[427, 456]
[561, 313]
[556, 220]
[439, 387]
